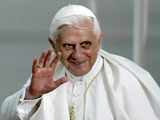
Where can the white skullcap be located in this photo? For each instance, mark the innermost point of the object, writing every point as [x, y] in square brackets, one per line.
[67, 11]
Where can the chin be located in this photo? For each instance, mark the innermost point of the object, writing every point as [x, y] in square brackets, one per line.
[79, 72]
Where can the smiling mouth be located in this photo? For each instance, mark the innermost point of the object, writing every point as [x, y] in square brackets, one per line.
[76, 63]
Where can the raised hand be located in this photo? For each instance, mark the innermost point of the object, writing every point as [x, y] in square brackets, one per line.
[42, 75]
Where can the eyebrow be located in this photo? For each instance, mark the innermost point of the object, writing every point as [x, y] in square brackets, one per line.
[88, 41]
[68, 44]
[72, 44]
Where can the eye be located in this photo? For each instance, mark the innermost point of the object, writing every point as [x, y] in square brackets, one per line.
[68, 46]
[86, 44]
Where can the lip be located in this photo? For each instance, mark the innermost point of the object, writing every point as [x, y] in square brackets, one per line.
[77, 63]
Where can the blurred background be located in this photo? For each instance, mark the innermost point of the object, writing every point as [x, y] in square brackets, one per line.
[24, 32]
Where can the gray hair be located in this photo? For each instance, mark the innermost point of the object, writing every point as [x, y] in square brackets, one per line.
[70, 15]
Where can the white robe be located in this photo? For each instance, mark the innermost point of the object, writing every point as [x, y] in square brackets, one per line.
[121, 91]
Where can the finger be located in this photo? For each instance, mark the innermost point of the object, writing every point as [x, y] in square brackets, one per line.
[42, 58]
[59, 82]
[35, 62]
[55, 60]
[51, 42]
[47, 58]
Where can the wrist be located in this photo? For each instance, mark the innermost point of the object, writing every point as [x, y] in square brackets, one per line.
[29, 96]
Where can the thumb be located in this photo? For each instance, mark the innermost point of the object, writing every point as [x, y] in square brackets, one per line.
[59, 82]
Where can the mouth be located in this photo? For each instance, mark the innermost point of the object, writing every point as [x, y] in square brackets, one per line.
[77, 62]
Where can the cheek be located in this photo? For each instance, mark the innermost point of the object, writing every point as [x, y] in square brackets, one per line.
[88, 54]
[91, 53]
[66, 55]
[89, 57]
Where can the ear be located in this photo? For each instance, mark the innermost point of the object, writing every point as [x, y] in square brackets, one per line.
[100, 38]
[52, 42]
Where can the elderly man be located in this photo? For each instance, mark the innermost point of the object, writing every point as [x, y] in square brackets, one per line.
[83, 82]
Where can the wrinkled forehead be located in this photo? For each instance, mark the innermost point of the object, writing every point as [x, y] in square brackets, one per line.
[76, 32]
[83, 27]
[76, 35]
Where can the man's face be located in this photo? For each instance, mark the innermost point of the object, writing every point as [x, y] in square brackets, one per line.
[79, 48]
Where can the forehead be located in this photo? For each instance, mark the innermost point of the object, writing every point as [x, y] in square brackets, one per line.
[82, 30]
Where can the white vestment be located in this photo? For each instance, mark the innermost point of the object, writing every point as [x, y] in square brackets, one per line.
[118, 90]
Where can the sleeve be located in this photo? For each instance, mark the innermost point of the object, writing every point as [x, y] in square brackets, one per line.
[26, 108]
[8, 108]
[15, 107]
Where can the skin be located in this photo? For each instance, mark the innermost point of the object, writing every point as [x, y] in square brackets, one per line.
[79, 49]
[76, 48]
[42, 78]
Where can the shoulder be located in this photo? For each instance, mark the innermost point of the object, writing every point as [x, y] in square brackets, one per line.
[129, 81]
[128, 74]
[125, 63]
[124, 69]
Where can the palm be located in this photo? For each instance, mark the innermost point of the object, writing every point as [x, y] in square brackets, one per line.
[42, 78]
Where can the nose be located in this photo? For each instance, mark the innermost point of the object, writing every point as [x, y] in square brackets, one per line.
[77, 53]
